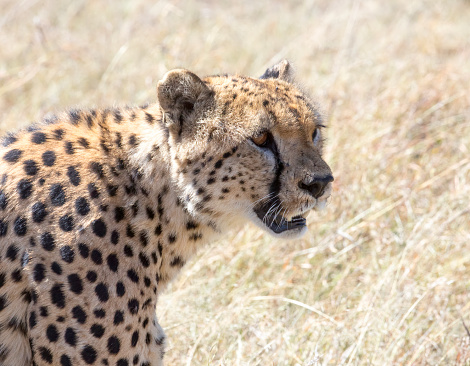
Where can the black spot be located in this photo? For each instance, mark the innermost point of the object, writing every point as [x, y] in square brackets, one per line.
[96, 256]
[218, 164]
[57, 194]
[97, 330]
[79, 314]
[67, 253]
[113, 262]
[70, 337]
[81, 206]
[45, 354]
[59, 134]
[75, 283]
[149, 118]
[119, 213]
[134, 338]
[20, 226]
[114, 237]
[3, 228]
[39, 272]
[130, 231]
[101, 291]
[2, 279]
[66, 223]
[117, 116]
[91, 276]
[89, 354]
[12, 156]
[93, 191]
[133, 276]
[3, 200]
[30, 167]
[38, 138]
[3, 302]
[158, 229]
[48, 158]
[8, 140]
[74, 115]
[99, 313]
[114, 345]
[32, 320]
[195, 236]
[73, 175]
[132, 140]
[65, 361]
[39, 212]
[211, 181]
[128, 251]
[133, 306]
[84, 142]
[47, 241]
[69, 148]
[172, 238]
[99, 228]
[52, 333]
[147, 281]
[56, 268]
[97, 168]
[120, 289]
[122, 362]
[144, 260]
[57, 296]
[43, 311]
[143, 237]
[118, 317]
[25, 188]
[150, 213]
[177, 261]
[112, 190]
[12, 252]
[16, 275]
[83, 250]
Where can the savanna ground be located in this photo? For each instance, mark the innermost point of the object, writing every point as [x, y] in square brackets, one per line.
[383, 276]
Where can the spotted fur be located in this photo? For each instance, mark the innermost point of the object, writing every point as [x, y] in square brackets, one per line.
[100, 209]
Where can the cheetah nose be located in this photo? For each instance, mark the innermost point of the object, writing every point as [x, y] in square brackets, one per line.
[317, 186]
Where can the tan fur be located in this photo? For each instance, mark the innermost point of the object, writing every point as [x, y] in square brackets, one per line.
[99, 210]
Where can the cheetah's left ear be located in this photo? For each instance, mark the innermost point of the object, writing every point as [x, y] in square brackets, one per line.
[178, 93]
[282, 70]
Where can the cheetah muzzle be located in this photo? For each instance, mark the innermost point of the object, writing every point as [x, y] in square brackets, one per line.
[100, 209]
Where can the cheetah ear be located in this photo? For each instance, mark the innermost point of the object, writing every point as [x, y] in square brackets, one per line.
[177, 93]
[282, 70]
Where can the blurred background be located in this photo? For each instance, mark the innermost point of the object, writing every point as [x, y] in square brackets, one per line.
[383, 275]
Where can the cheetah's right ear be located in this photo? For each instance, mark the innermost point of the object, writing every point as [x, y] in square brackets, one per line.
[282, 70]
[177, 93]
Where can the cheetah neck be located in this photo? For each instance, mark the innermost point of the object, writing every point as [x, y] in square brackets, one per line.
[171, 231]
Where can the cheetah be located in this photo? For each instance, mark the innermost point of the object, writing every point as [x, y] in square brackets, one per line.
[100, 209]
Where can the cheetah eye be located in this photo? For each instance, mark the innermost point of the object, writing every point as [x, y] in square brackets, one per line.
[260, 139]
[316, 136]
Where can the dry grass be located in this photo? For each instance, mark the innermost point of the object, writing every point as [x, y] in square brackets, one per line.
[383, 277]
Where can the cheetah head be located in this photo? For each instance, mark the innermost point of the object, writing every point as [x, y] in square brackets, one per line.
[246, 148]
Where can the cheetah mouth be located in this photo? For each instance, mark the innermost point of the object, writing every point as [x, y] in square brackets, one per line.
[278, 223]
